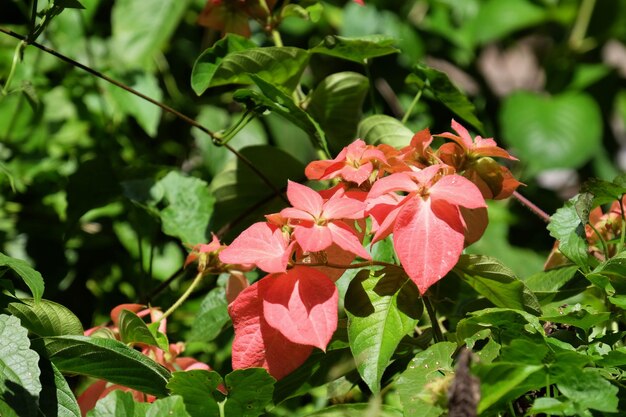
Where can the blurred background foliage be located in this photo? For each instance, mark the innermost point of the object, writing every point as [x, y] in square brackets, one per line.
[101, 190]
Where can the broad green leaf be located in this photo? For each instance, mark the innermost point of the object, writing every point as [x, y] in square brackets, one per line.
[358, 410]
[238, 189]
[209, 61]
[211, 317]
[31, 278]
[168, 407]
[357, 49]
[380, 128]
[496, 19]
[551, 280]
[57, 398]
[562, 131]
[140, 29]
[249, 392]
[499, 379]
[582, 317]
[553, 406]
[19, 369]
[589, 389]
[273, 99]
[6, 410]
[446, 92]
[280, 66]
[146, 114]
[496, 282]
[189, 207]
[417, 398]
[567, 227]
[604, 191]
[46, 318]
[196, 387]
[109, 360]
[119, 404]
[134, 330]
[336, 104]
[382, 308]
[506, 323]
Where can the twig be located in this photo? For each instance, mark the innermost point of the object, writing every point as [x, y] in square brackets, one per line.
[433, 319]
[532, 207]
[163, 106]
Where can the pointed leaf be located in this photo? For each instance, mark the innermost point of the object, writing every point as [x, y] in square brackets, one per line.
[380, 128]
[168, 407]
[382, 307]
[134, 330]
[446, 92]
[428, 237]
[107, 359]
[211, 317]
[249, 392]
[336, 104]
[567, 227]
[302, 305]
[426, 367]
[46, 318]
[119, 404]
[56, 397]
[256, 343]
[19, 369]
[500, 380]
[281, 66]
[589, 389]
[31, 278]
[197, 387]
[357, 49]
[496, 282]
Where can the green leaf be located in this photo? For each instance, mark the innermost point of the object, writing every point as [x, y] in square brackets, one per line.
[561, 131]
[553, 406]
[196, 387]
[446, 92]
[497, 19]
[232, 62]
[506, 323]
[589, 389]
[31, 278]
[336, 104]
[134, 330]
[69, 4]
[57, 398]
[189, 207]
[109, 360]
[46, 318]
[496, 282]
[19, 369]
[382, 307]
[119, 404]
[425, 368]
[168, 407]
[551, 280]
[603, 191]
[273, 99]
[357, 410]
[146, 114]
[578, 316]
[6, 410]
[140, 29]
[380, 128]
[499, 379]
[357, 49]
[249, 392]
[567, 227]
[211, 317]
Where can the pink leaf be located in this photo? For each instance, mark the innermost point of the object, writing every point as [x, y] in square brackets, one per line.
[312, 237]
[302, 305]
[347, 239]
[394, 182]
[343, 208]
[458, 191]
[304, 198]
[256, 343]
[428, 237]
[262, 245]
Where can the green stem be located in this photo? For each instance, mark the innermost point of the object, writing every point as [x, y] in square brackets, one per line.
[433, 319]
[412, 106]
[582, 23]
[278, 41]
[368, 73]
[19, 49]
[605, 249]
[185, 295]
[511, 409]
[623, 230]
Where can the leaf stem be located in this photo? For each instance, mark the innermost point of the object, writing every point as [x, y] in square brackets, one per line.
[412, 106]
[532, 207]
[163, 106]
[433, 319]
[368, 72]
[19, 50]
[623, 229]
[579, 30]
[183, 297]
[605, 248]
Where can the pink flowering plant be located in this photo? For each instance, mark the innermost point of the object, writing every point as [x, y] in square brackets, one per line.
[335, 232]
